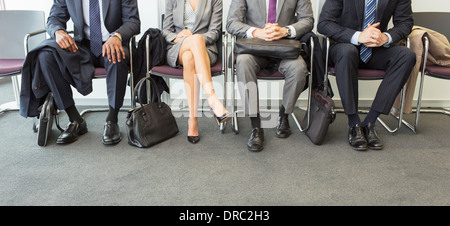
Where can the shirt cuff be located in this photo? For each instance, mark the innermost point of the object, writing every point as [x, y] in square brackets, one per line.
[249, 32]
[390, 39]
[293, 32]
[355, 38]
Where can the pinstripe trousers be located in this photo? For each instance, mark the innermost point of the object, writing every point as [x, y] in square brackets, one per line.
[397, 61]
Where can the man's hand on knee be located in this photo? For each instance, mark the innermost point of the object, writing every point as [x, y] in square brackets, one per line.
[113, 49]
[65, 41]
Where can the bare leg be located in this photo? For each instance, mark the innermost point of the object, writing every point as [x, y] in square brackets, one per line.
[196, 45]
[192, 89]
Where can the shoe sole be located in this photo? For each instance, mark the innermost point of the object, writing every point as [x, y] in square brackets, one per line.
[254, 149]
[112, 142]
[376, 148]
[283, 135]
[359, 149]
[224, 120]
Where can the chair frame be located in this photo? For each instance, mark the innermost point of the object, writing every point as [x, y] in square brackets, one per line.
[234, 122]
[424, 72]
[402, 96]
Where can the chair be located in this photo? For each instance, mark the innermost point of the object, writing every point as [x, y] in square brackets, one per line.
[367, 75]
[435, 21]
[218, 69]
[15, 25]
[261, 75]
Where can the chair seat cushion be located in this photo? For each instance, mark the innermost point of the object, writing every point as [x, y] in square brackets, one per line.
[99, 72]
[10, 66]
[438, 71]
[168, 71]
[365, 74]
[264, 74]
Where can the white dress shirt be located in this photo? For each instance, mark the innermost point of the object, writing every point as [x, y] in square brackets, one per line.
[249, 32]
[87, 31]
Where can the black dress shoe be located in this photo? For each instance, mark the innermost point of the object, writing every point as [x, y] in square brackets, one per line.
[72, 132]
[373, 142]
[223, 118]
[283, 129]
[255, 142]
[356, 138]
[193, 139]
[111, 133]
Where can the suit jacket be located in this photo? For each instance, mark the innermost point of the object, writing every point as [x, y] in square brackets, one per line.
[244, 14]
[120, 16]
[208, 22]
[340, 19]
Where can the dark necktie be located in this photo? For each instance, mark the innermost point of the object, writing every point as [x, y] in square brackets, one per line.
[369, 18]
[95, 28]
[272, 17]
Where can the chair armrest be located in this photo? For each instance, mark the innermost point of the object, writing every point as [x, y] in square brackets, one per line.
[29, 35]
[224, 50]
[426, 46]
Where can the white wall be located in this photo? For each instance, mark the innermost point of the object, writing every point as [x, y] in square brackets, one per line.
[435, 91]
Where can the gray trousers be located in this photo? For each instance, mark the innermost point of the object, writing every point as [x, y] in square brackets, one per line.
[247, 66]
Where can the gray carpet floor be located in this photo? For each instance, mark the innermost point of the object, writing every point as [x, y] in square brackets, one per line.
[413, 169]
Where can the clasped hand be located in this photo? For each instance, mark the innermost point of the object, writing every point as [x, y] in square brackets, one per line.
[372, 36]
[270, 32]
[183, 34]
[112, 48]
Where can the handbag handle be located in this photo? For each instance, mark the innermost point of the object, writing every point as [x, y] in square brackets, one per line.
[153, 89]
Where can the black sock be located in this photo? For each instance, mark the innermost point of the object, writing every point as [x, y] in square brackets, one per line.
[113, 115]
[353, 120]
[256, 121]
[371, 117]
[73, 114]
[282, 112]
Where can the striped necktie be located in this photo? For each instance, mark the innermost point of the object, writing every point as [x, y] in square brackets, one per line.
[95, 27]
[272, 15]
[369, 18]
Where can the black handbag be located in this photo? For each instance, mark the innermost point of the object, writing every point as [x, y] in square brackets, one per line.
[322, 115]
[282, 48]
[151, 123]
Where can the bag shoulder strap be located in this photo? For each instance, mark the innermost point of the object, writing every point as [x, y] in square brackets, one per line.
[153, 89]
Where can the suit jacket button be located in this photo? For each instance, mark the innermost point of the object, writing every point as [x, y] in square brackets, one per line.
[35, 87]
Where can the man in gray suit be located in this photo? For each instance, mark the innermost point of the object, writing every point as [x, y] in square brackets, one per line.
[102, 29]
[269, 20]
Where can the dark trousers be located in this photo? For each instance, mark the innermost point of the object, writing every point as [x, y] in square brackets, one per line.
[397, 61]
[116, 78]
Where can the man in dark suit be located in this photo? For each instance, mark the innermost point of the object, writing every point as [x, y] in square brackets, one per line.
[359, 30]
[269, 20]
[102, 29]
